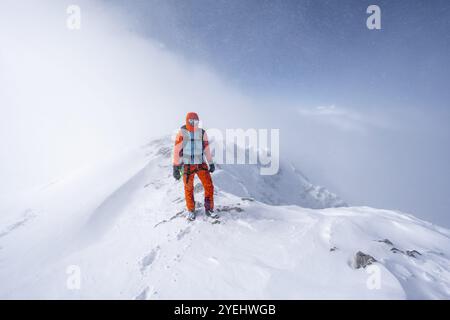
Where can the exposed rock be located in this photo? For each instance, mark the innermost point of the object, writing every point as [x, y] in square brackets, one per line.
[363, 260]
[413, 253]
[409, 253]
[333, 249]
[395, 250]
[387, 241]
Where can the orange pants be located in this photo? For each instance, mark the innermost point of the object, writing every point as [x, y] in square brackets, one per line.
[201, 170]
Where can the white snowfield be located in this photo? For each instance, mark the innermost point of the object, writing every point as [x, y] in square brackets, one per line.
[115, 231]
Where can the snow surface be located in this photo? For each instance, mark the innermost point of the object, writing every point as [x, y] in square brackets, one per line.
[120, 223]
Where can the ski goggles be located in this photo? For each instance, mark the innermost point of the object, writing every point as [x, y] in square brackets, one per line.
[193, 122]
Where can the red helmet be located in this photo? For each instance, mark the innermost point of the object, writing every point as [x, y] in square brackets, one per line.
[191, 121]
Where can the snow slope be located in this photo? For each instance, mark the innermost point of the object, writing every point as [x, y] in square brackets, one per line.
[119, 223]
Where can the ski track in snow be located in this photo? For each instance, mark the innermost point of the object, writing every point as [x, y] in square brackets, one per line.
[133, 242]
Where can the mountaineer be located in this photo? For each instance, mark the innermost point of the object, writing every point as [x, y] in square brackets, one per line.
[190, 152]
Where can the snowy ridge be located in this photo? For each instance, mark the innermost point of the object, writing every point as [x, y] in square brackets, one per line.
[289, 186]
[120, 223]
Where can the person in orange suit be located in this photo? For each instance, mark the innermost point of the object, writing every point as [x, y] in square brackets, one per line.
[190, 151]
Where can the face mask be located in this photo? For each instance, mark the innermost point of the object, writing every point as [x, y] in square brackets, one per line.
[193, 122]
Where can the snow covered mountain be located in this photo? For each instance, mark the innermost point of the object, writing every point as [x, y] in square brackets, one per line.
[119, 225]
[288, 187]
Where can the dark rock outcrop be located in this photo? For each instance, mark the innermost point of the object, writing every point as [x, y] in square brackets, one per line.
[362, 260]
[387, 241]
[413, 253]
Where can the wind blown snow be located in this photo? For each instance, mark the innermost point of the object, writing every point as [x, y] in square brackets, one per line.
[120, 224]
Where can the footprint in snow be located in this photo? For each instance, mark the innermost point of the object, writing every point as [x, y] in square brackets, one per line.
[183, 232]
[142, 295]
[177, 258]
[149, 259]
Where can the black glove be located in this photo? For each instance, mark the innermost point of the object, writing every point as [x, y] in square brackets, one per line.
[212, 167]
[176, 172]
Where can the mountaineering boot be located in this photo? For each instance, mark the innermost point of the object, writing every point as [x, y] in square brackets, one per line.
[210, 213]
[191, 215]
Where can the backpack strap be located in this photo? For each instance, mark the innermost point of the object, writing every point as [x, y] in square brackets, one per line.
[203, 144]
[183, 127]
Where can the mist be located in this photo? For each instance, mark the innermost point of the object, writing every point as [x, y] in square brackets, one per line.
[69, 98]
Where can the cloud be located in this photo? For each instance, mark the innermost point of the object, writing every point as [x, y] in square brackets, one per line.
[344, 119]
[69, 97]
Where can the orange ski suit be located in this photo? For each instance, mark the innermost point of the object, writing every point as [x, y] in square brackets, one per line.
[190, 150]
